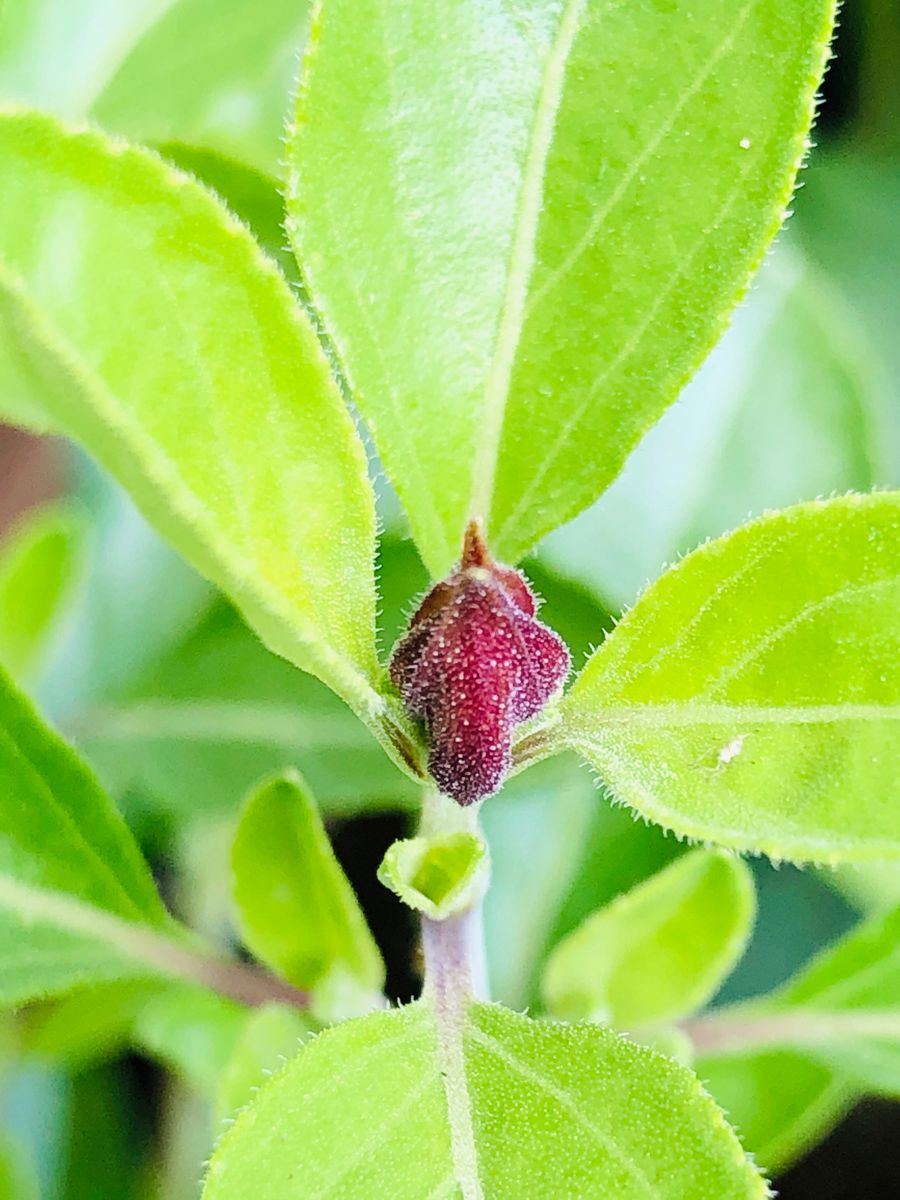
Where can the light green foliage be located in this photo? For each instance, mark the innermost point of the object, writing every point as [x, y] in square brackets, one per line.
[88, 1024]
[217, 712]
[659, 951]
[554, 221]
[39, 564]
[785, 409]
[622, 1121]
[208, 395]
[252, 196]
[270, 1036]
[192, 1031]
[295, 907]
[536, 829]
[781, 1102]
[849, 1004]
[848, 224]
[75, 895]
[216, 72]
[16, 1181]
[438, 875]
[751, 696]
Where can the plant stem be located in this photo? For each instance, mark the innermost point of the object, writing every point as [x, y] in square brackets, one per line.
[454, 948]
[729, 1032]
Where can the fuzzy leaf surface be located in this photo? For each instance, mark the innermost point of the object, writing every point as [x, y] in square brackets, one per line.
[160, 337]
[363, 1111]
[752, 695]
[542, 231]
[295, 906]
[658, 951]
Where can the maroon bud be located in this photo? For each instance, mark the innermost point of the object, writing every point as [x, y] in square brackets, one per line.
[474, 663]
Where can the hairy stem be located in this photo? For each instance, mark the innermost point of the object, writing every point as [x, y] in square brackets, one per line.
[732, 1031]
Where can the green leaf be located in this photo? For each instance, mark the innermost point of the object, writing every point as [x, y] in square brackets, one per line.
[861, 258]
[269, 1038]
[77, 902]
[842, 1009]
[295, 907]
[786, 409]
[206, 393]
[752, 695]
[40, 562]
[252, 196]
[811, 1099]
[659, 951]
[542, 231]
[437, 875]
[72, 881]
[571, 1110]
[86, 1025]
[216, 72]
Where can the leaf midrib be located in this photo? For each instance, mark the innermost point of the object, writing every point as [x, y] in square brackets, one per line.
[521, 262]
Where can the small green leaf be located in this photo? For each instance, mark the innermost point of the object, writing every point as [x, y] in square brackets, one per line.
[295, 907]
[752, 695]
[207, 394]
[659, 951]
[553, 223]
[39, 564]
[438, 875]
[570, 1110]
[270, 1037]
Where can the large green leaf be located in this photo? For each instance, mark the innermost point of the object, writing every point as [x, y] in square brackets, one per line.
[390, 1109]
[540, 231]
[160, 337]
[296, 908]
[217, 72]
[785, 409]
[752, 695]
[659, 951]
[39, 563]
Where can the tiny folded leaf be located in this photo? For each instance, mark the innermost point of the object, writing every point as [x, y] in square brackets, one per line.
[752, 695]
[659, 951]
[438, 875]
[394, 1107]
[542, 231]
[295, 907]
[159, 336]
[39, 565]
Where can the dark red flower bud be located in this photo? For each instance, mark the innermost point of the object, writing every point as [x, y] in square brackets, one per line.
[475, 662]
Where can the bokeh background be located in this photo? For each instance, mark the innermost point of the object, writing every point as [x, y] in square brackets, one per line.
[179, 709]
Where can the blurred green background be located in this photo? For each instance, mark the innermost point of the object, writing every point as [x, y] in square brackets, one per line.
[180, 710]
